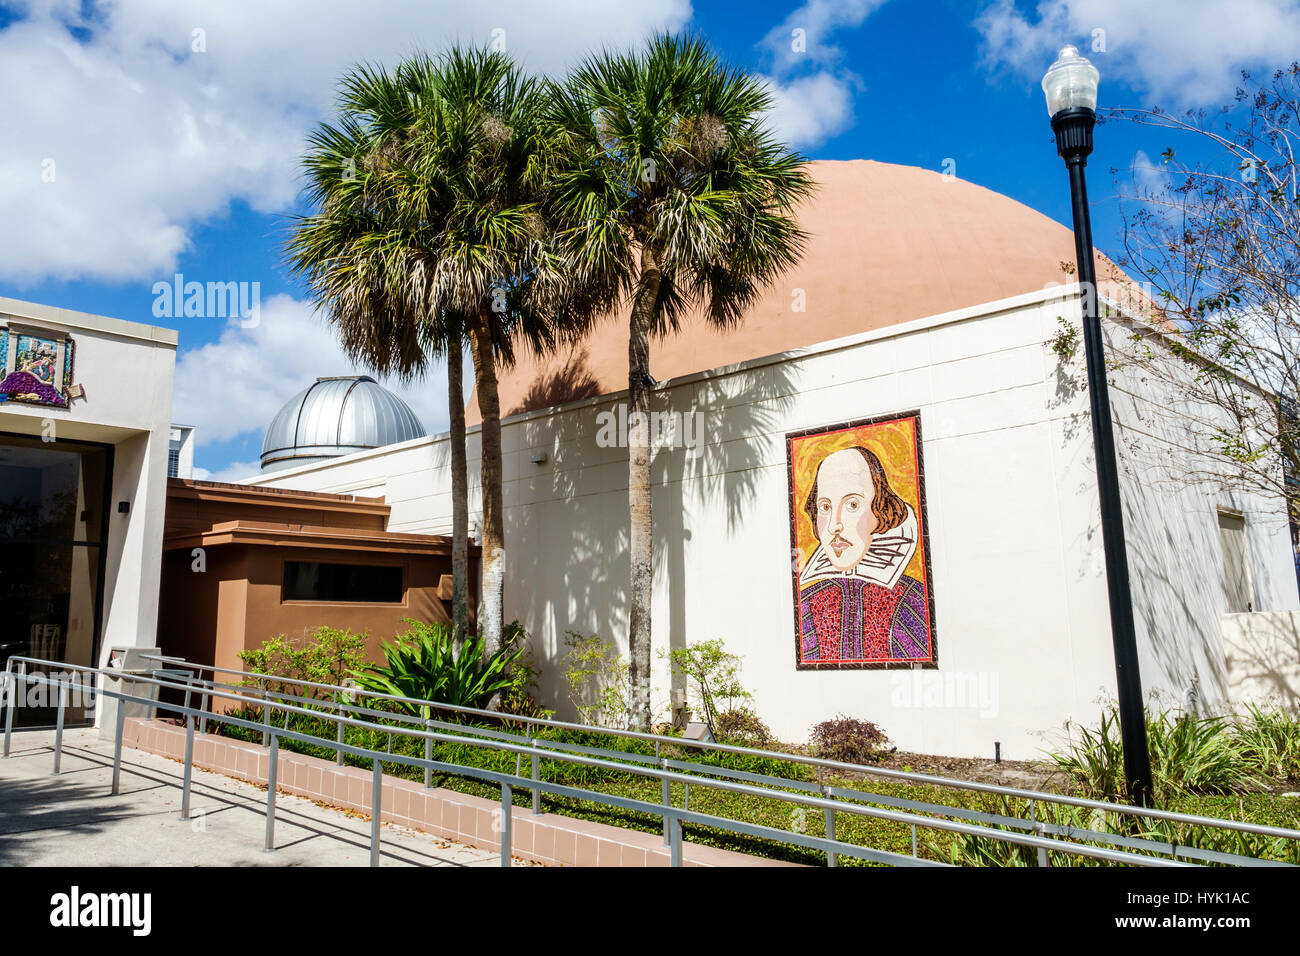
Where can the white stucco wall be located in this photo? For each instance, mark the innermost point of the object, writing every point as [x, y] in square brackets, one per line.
[126, 371]
[1021, 617]
[1192, 647]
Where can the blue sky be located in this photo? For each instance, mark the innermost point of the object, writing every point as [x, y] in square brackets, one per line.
[150, 137]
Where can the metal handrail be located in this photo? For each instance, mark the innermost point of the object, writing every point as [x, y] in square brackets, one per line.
[673, 816]
[806, 760]
[543, 744]
[676, 816]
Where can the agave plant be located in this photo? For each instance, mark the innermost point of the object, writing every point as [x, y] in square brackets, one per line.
[431, 662]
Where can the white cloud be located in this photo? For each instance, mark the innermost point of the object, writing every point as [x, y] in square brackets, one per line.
[811, 109]
[233, 472]
[1180, 53]
[817, 19]
[148, 137]
[1149, 178]
[234, 385]
[814, 96]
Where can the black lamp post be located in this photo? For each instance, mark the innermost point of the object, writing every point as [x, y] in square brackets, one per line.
[1071, 89]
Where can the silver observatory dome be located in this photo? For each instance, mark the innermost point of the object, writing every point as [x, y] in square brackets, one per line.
[336, 416]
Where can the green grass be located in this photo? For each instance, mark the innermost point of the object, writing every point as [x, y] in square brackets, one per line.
[772, 812]
[1259, 808]
[1188, 755]
[766, 811]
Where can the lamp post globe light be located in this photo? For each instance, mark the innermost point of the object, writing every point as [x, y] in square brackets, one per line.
[1070, 86]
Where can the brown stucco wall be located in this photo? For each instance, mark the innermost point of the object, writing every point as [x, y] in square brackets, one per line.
[236, 603]
[266, 615]
[246, 534]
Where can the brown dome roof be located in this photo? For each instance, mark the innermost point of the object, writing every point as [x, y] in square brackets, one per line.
[887, 244]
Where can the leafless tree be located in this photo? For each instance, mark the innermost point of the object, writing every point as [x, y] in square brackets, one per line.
[1215, 239]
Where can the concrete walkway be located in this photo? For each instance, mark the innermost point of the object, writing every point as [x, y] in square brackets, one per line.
[73, 820]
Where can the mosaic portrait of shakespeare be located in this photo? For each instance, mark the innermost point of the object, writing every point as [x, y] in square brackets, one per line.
[862, 582]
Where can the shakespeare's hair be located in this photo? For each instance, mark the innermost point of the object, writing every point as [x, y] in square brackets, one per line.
[889, 509]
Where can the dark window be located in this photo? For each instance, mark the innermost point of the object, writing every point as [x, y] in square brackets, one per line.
[344, 583]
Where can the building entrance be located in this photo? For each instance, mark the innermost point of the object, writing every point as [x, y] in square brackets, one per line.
[53, 525]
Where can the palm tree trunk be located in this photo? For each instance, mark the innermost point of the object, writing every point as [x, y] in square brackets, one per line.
[493, 554]
[640, 519]
[459, 486]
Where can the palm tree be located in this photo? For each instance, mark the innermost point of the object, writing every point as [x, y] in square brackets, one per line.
[670, 193]
[459, 480]
[428, 231]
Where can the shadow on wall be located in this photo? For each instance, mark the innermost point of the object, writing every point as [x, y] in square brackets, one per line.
[1263, 656]
[574, 540]
[1176, 564]
[572, 381]
[1174, 573]
[1172, 496]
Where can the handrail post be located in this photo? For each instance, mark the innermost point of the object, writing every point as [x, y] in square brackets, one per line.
[537, 776]
[1039, 830]
[266, 712]
[12, 689]
[58, 727]
[507, 819]
[832, 858]
[207, 705]
[338, 737]
[272, 781]
[117, 748]
[189, 766]
[428, 754]
[675, 842]
[666, 795]
[376, 808]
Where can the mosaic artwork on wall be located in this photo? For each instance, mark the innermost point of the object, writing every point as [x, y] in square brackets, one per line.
[35, 369]
[863, 590]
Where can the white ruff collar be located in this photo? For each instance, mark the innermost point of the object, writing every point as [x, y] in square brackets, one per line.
[884, 563]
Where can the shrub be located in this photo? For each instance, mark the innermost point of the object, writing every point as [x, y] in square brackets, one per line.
[1191, 755]
[1095, 762]
[428, 662]
[328, 656]
[519, 698]
[742, 728]
[1188, 755]
[849, 741]
[963, 849]
[715, 673]
[597, 678]
[969, 850]
[1270, 741]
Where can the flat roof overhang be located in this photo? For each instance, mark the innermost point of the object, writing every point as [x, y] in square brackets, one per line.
[267, 534]
[188, 489]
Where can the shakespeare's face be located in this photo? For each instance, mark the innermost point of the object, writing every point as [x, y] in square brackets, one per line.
[845, 521]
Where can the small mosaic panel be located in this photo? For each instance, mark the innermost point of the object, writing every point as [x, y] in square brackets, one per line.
[35, 368]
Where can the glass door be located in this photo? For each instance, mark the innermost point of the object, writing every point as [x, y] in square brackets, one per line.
[52, 533]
